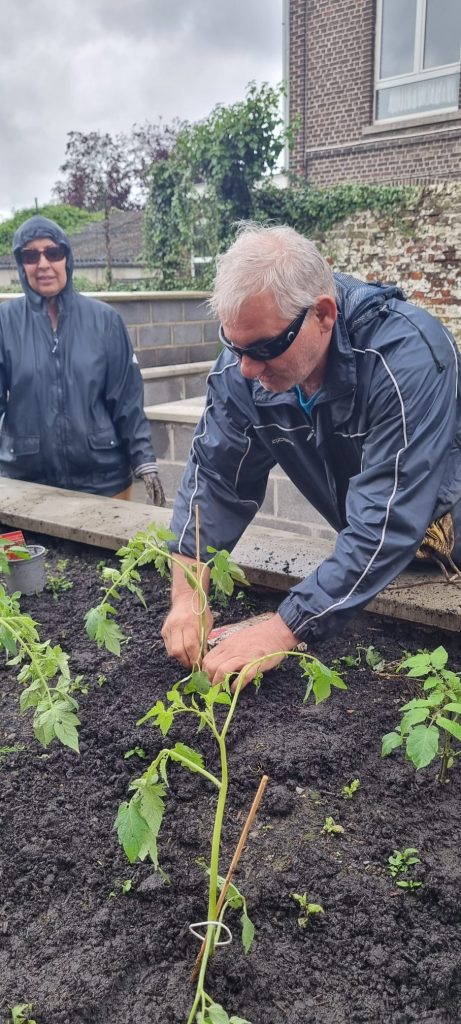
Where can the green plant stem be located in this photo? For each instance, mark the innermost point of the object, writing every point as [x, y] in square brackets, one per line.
[217, 832]
[443, 774]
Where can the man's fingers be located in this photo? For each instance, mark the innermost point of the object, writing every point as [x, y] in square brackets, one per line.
[182, 644]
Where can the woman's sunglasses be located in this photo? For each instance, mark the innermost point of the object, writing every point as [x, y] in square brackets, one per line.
[53, 253]
[267, 348]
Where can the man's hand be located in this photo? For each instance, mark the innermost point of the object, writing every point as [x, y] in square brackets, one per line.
[154, 488]
[252, 642]
[180, 630]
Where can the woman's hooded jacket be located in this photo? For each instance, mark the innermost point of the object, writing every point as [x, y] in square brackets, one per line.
[71, 400]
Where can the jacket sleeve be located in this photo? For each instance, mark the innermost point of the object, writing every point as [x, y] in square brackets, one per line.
[125, 399]
[410, 431]
[226, 473]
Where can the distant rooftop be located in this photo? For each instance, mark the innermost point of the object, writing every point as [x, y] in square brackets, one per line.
[89, 245]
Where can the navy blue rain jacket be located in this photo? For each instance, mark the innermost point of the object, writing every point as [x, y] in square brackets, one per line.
[71, 401]
[380, 458]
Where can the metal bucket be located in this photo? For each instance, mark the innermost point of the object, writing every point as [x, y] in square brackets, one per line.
[27, 574]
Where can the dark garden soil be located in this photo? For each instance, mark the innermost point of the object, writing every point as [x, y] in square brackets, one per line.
[83, 956]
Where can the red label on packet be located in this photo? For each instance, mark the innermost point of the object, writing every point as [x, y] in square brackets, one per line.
[223, 632]
[15, 539]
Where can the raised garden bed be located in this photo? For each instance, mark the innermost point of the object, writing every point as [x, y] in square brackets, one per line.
[80, 949]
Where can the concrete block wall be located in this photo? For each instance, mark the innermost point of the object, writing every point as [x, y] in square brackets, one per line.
[167, 327]
[174, 383]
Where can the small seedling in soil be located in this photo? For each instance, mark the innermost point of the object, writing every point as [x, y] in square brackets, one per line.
[57, 583]
[331, 827]
[135, 752]
[365, 655]
[124, 886]
[15, 749]
[79, 685]
[101, 679]
[20, 1014]
[348, 791]
[429, 723]
[139, 820]
[307, 909]
[402, 862]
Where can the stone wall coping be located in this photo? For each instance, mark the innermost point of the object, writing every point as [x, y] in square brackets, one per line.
[271, 558]
[126, 296]
[175, 370]
[147, 296]
[185, 410]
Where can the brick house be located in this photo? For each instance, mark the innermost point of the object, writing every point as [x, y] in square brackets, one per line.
[376, 86]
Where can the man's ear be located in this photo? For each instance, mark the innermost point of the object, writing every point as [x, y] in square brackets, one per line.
[326, 312]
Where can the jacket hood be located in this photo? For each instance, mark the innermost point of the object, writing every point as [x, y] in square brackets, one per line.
[41, 227]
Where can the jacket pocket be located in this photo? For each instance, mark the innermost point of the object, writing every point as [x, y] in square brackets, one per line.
[103, 440]
[15, 447]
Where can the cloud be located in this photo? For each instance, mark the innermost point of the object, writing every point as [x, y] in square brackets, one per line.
[89, 65]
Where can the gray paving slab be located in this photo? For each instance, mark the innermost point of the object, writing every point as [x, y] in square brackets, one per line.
[272, 558]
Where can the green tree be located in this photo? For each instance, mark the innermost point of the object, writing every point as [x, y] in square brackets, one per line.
[209, 180]
[69, 218]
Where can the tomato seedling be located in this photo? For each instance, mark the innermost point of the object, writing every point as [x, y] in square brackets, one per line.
[139, 820]
[307, 909]
[429, 723]
[401, 863]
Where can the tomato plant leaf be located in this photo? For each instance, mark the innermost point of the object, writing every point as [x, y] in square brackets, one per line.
[389, 743]
[132, 829]
[422, 745]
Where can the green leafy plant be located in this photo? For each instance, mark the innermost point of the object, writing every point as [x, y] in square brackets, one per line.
[139, 820]
[429, 723]
[54, 708]
[365, 655]
[348, 791]
[20, 1014]
[123, 887]
[15, 749]
[135, 752]
[401, 863]
[308, 910]
[331, 827]
[57, 583]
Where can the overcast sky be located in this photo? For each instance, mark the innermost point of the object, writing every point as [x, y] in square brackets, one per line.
[104, 65]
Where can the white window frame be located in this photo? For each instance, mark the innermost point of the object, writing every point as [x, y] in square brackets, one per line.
[420, 75]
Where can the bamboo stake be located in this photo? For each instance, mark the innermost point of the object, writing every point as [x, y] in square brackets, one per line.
[233, 864]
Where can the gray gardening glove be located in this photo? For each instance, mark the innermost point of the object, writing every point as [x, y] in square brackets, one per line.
[154, 488]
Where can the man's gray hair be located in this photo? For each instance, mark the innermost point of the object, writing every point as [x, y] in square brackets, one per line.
[269, 259]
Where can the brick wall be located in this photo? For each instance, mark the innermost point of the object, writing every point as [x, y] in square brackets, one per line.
[331, 80]
[421, 252]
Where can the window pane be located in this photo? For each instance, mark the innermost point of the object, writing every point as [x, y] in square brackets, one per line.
[398, 37]
[443, 33]
[405, 100]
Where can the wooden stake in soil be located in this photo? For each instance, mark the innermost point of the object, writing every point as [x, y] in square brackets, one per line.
[233, 864]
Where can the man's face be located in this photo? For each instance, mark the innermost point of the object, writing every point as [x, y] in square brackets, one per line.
[45, 277]
[303, 362]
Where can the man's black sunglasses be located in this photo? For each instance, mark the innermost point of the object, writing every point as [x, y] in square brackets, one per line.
[267, 348]
[53, 253]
